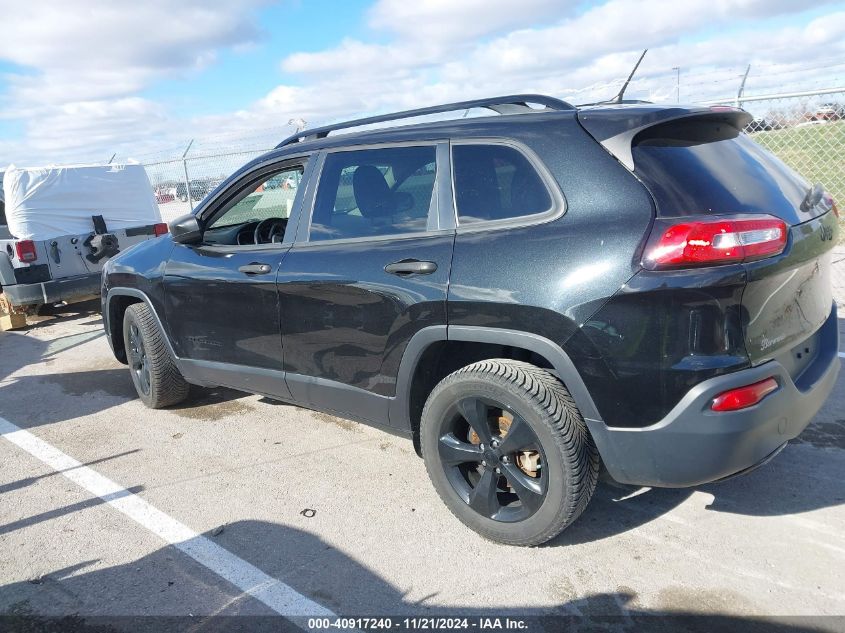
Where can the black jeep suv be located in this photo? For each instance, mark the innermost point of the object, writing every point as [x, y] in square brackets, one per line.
[528, 295]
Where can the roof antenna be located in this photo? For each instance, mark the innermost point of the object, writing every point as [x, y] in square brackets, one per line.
[618, 98]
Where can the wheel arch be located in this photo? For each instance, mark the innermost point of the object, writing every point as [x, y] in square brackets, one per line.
[117, 301]
[434, 352]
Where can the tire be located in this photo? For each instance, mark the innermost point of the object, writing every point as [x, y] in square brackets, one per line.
[517, 497]
[156, 378]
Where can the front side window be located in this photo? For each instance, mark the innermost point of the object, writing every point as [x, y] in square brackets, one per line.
[496, 182]
[272, 198]
[374, 192]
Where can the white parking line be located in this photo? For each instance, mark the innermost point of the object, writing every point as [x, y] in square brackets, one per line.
[841, 354]
[281, 598]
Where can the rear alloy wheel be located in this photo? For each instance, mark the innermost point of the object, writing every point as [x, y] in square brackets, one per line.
[508, 452]
[155, 376]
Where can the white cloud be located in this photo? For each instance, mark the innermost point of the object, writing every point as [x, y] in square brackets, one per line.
[585, 56]
[426, 32]
[149, 34]
[84, 63]
[83, 97]
[453, 21]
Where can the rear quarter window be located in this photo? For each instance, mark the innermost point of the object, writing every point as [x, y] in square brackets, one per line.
[496, 182]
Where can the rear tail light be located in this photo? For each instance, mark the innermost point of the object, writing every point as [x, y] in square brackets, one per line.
[26, 251]
[744, 397]
[160, 229]
[711, 242]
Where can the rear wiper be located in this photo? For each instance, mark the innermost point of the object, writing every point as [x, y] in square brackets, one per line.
[813, 197]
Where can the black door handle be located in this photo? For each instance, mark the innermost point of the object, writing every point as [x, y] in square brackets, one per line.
[255, 269]
[408, 267]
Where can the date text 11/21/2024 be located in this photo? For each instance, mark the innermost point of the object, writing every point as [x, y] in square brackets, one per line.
[418, 623]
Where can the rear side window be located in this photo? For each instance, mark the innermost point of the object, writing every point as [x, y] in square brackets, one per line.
[496, 182]
[369, 193]
[696, 167]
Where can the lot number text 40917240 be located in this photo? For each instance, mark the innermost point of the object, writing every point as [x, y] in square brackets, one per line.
[419, 623]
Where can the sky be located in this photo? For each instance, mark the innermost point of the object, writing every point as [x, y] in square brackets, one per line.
[81, 80]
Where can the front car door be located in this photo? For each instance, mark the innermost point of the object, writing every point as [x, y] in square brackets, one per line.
[220, 295]
[367, 272]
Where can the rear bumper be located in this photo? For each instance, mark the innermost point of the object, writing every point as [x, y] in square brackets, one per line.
[693, 445]
[55, 290]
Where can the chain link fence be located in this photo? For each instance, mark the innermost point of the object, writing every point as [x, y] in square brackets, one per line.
[179, 184]
[806, 130]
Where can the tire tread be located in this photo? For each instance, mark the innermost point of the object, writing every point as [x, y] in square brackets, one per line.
[167, 386]
[569, 432]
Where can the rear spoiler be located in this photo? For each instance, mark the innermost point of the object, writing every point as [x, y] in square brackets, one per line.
[616, 127]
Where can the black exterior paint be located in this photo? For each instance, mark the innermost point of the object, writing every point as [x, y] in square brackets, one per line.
[329, 328]
[217, 313]
[345, 319]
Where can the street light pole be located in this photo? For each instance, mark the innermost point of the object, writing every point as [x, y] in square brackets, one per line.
[677, 70]
[187, 180]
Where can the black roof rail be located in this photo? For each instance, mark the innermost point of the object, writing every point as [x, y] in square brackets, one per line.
[510, 104]
[612, 102]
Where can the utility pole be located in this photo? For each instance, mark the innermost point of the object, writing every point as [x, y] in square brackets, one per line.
[187, 181]
[739, 93]
[677, 70]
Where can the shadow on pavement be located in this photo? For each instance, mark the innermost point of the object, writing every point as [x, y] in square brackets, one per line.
[58, 512]
[169, 583]
[24, 399]
[84, 312]
[782, 487]
[778, 488]
[23, 483]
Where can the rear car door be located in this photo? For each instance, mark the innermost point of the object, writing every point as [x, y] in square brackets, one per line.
[368, 270]
[220, 295]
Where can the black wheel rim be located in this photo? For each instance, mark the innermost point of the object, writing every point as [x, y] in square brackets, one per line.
[138, 360]
[498, 470]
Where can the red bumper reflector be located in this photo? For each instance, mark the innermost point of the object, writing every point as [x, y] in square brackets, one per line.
[744, 397]
[160, 229]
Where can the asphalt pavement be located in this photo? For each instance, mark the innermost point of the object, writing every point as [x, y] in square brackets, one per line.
[232, 504]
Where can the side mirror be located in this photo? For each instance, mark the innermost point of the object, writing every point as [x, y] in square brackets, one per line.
[186, 229]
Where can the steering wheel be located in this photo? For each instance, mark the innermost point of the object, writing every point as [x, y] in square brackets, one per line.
[275, 233]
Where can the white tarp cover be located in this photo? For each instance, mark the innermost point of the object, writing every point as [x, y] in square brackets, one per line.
[47, 202]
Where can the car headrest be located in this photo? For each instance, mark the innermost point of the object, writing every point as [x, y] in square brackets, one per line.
[372, 193]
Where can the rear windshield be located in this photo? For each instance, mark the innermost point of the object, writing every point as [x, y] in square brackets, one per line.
[695, 167]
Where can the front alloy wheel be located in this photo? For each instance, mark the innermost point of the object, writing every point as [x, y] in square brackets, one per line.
[154, 373]
[138, 359]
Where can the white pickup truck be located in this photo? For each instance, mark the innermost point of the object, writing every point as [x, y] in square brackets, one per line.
[61, 224]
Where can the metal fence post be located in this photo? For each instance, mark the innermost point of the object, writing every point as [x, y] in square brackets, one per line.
[738, 100]
[187, 180]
